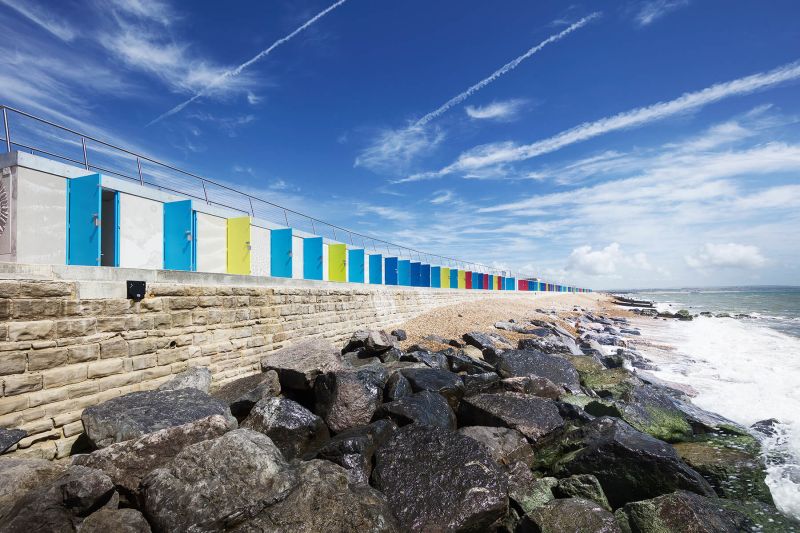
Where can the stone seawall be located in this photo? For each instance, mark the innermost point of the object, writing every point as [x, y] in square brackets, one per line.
[68, 344]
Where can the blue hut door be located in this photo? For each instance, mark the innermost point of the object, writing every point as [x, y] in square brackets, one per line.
[178, 235]
[280, 257]
[84, 220]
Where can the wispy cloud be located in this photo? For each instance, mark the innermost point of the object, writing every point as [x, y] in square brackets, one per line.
[503, 110]
[225, 77]
[441, 197]
[504, 153]
[728, 255]
[42, 17]
[653, 10]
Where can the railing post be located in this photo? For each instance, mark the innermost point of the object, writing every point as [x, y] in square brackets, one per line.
[286, 218]
[85, 158]
[313, 228]
[205, 192]
[139, 167]
[5, 127]
[252, 211]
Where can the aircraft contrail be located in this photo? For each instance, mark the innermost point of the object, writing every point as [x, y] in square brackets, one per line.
[238, 70]
[508, 67]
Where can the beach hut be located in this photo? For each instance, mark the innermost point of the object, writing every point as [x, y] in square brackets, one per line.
[436, 276]
[392, 271]
[404, 272]
[425, 275]
[355, 265]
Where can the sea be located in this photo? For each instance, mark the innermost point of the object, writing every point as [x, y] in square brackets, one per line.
[745, 366]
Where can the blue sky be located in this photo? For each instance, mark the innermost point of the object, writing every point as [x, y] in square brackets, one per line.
[645, 143]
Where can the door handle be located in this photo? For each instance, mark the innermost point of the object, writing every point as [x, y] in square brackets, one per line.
[189, 236]
[248, 246]
[96, 220]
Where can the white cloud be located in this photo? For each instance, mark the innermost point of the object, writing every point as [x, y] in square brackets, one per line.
[394, 150]
[509, 152]
[655, 9]
[595, 262]
[252, 98]
[42, 17]
[730, 255]
[503, 110]
[442, 197]
[145, 9]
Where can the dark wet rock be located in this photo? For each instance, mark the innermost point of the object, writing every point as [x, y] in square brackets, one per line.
[731, 463]
[488, 343]
[703, 421]
[455, 343]
[399, 334]
[461, 362]
[138, 413]
[423, 408]
[765, 518]
[126, 463]
[299, 365]
[198, 377]
[767, 427]
[533, 417]
[294, 429]
[682, 512]
[429, 359]
[573, 412]
[549, 344]
[629, 464]
[605, 382]
[584, 486]
[356, 341]
[683, 314]
[526, 492]
[115, 521]
[571, 514]
[392, 354]
[506, 446]
[60, 504]
[397, 387]
[629, 331]
[378, 341]
[438, 480]
[519, 363]
[481, 383]
[348, 398]
[535, 385]
[10, 437]
[19, 476]
[436, 339]
[242, 394]
[354, 449]
[446, 383]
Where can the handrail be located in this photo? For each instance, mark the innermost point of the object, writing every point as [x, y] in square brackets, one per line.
[204, 182]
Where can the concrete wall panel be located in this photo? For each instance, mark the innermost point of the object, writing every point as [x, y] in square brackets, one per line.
[41, 218]
[212, 235]
[141, 232]
[259, 251]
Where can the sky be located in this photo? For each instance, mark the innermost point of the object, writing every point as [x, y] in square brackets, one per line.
[624, 144]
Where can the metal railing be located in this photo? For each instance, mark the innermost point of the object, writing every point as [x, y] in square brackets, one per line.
[94, 154]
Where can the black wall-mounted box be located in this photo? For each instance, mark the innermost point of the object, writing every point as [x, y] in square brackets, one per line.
[136, 290]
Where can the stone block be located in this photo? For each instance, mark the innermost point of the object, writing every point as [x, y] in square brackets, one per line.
[12, 405]
[82, 353]
[141, 346]
[104, 368]
[76, 327]
[47, 396]
[44, 359]
[12, 363]
[114, 323]
[115, 347]
[36, 309]
[31, 331]
[65, 375]
[21, 383]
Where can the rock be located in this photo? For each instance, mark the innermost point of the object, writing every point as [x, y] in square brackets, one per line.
[397, 387]
[294, 429]
[584, 486]
[629, 331]
[767, 427]
[683, 314]
[550, 344]
[533, 417]
[423, 408]
[461, 362]
[399, 334]
[765, 518]
[209, 483]
[348, 398]
[455, 343]
[378, 342]
[242, 394]
[473, 352]
[354, 449]
[731, 463]
[198, 377]
[429, 359]
[488, 343]
[683, 511]
[19, 476]
[703, 421]
[126, 463]
[520, 363]
[437, 480]
[525, 492]
[536, 385]
[357, 341]
[506, 446]
[572, 514]
[629, 464]
[299, 365]
[446, 383]
[606, 383]
[138, 413]
[10, 437]
[480, 383]
[115, 521]
[58, 505]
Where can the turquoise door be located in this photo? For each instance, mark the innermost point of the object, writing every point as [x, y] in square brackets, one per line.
[355, 266]
[376, 269]
[280, 257]
[84, 220]
[312, 258]
[178, 235]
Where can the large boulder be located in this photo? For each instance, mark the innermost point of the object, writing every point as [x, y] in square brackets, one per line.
[430, 359]
[527, 492]
[584, 486]
[551, 343]
[488, 343]
[506, 446]
[444, 382]
[460, 361]
[19, 476]
[299, 365]
[481, 383]
[115, 521]
[294, 429]
[138, 413]
[438, 480]
[535, 385]
[423, 408]
[60, 504]
[571, 514]
[521, 363]
[629, 464]
[397, 386]
[348, 398]
[126, 463]
[9, 437]
[533, 417]
[354, 449]
[198, 377]
[683, 512]
[240, 482]
[243, 394]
